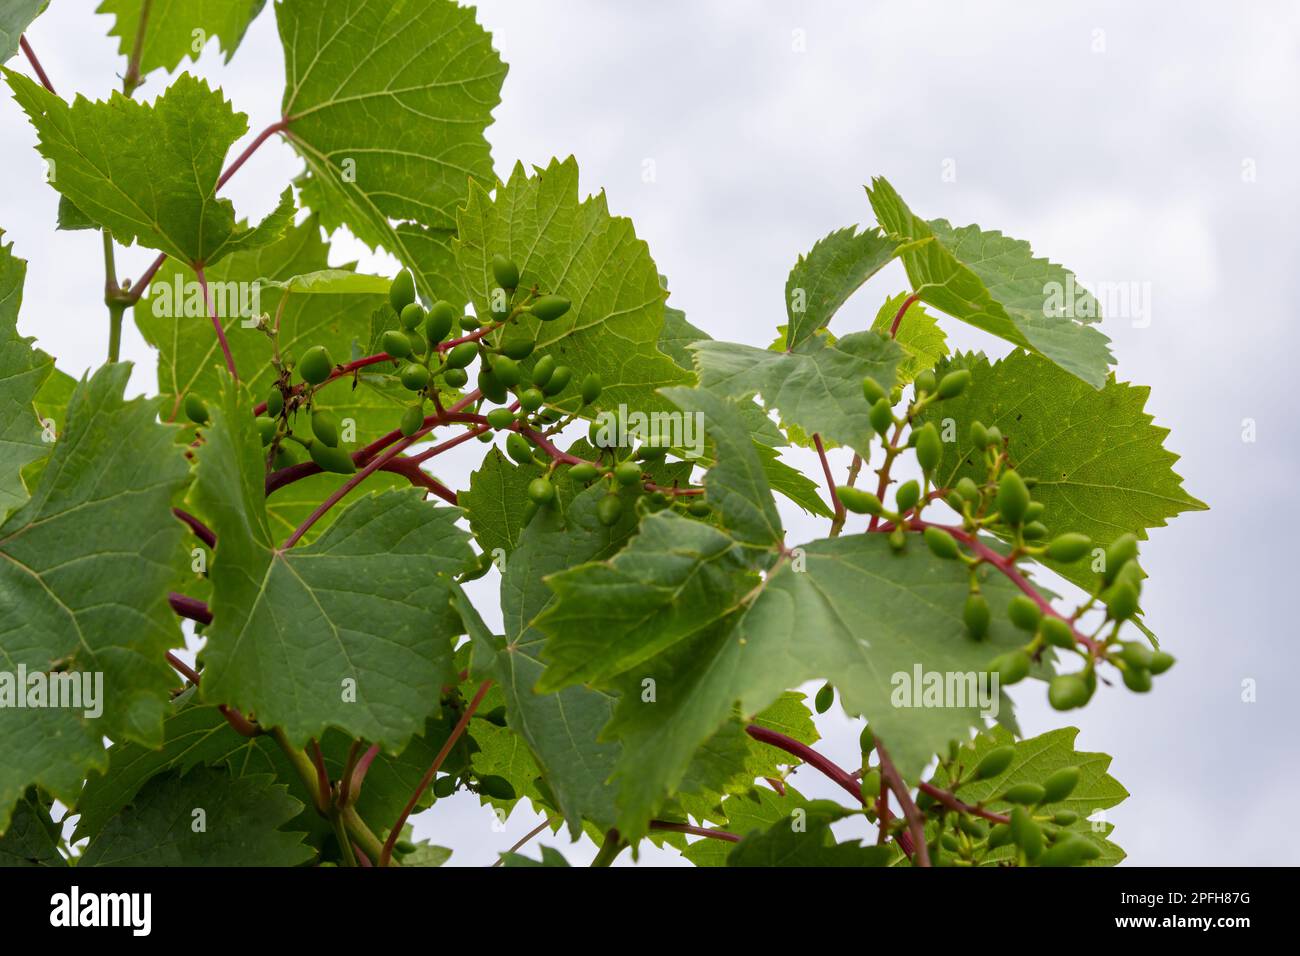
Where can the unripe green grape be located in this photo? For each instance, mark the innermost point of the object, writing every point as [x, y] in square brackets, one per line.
[871, 782]
[414, 376]
[950, 843]
[404, 847]
[999, 836]
[825, 697]
[859, 501]
[609, 509]
[462, 355]
[195, 409]
[517, 447]
[1065, 818]
[412, 420]
[881, 416]
[315, 365]
[1065, 852]
[973, 827]
[325, 426]
[953, 384]
[1013, 497]
[979, 435]
[559, 381]
[1034, 531]
[1137, 679]
[1024, 613]
[412, 316]
[1161, 662]
[506, 370]
[541, 491]
[925, 382]
[976, 616]
[585, 471]
[402, 292]
[531, 399]
[500, 418]
[469, 322]
[995, 437]
[543, 370]
[1023, 793]
[335, 460]
[1035, 509]
[444, 787]
[517, 344]
[1060, 785]
[1067, 691]
[505, 272]
[699, 508]
[1012, 667]
[929, 447]
[547, 308]
[1121, 600]
[591, 388]
[627, 473]
[1026, 833]
[1068, 547]
[1057, 632]
[491, 386]
[396, 344]
[967, 488]
[441, 318]
[266, 429]
[941, 543]
[872, 391]
[908, 494]
[866, 741]
[1121, 551]
[418, 345]
[650, 452]
[455, 377]
[275, 402]
[995, 762]
[498, 788]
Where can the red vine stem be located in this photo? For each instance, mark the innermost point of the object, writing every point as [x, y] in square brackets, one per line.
[915, 819]
[189, 607]
[524, 839]
[36, 64]
[395, 834]
[352, 787]
[840, 514]
[898, 317]
[322, 776]
[216, 323]
[545, 444]
[950, 801]
[201, 531]
[249, 150]
[241, 724]
[696, 831]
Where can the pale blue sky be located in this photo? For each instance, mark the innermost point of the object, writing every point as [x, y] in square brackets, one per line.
[1113, 136]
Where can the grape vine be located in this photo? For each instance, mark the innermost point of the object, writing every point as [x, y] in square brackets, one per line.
[276, 499]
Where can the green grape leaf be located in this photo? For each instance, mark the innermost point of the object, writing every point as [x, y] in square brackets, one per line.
[148, 173]
[753, 811]
[611, 616]
[791, 482]
[677, 334]
[492, 502]
[1037, 759]
[296, 640]
[919, 336]
[15, 18]
[835, 268]
[388, 106]
[817, 386]
[175, 28]
[70, 218]
[804, 838]
[737, 484]
[1100, 461]
[561, 729]
[332, 282]
[994, 283]
[550, 857]
[242, 819]
[849, 610]
[80, 605]
[33, 837]
[574, 248]
[23, 373]
[426, 854]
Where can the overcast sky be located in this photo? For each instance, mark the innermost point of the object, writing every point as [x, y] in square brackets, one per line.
[1153, 143]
